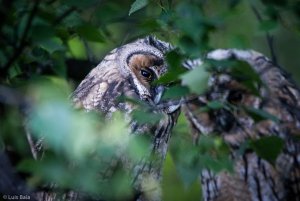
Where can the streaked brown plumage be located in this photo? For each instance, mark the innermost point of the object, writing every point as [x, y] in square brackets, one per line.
[254, 178]
[130, 71]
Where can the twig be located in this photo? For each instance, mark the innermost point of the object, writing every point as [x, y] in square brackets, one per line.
[89, 52]
[64, 15]
[6, 5]
[269, 37]
[19, 50]
[7, 40]
[23, 42]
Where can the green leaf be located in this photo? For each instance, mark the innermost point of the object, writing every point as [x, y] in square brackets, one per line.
[182, 126]
[90, 33]
[188, 175]
[196, 80]
[175, 68]
[239, 70]
[42, 33]
[167, 78]
[175, 92]
[233, 3]
[76, 48]
[190, 20]
[215, 105]
[244, 73]
[53, 44]
[144, 117]
[187, 163]
[214, 153]
[59, 64]
[108, 13]
[14, 71]
[137, 5]
[81, 4]
[136, 147]
[224, 162]
[268, 25]
[268, 148]
[260, 115]
[189, 47]
[73, 20]
[174, 60]
[219, 65]
[173, 187]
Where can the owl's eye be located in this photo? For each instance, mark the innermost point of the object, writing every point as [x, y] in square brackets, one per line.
[147, 74]
[235, 96]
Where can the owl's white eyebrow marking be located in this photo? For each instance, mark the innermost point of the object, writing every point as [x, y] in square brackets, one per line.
[141, 53]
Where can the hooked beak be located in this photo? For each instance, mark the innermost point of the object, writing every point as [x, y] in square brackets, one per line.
[166, 105]
[159, 90]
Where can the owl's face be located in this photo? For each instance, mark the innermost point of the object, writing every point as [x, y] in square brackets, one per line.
[145, 69]
[246, 113]
[142, 62]
[230, 119]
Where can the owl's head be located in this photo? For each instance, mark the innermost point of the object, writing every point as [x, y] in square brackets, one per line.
[141, 63]
[222, 109]
[131, 71]
[244, 113]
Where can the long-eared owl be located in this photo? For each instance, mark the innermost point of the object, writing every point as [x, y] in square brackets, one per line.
[254, 178]
[130, 71]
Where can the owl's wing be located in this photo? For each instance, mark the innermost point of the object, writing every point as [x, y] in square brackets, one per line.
[101, 87]
[91, 91]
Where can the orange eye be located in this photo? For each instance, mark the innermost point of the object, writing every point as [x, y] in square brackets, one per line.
[147, 74]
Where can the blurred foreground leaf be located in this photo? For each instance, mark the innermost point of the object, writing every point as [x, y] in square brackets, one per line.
[175, 68]
[268, 148]
[144, 117]
[260, 115]
[137, 5]
[175, 92]
[191, 157]
[173, 187]
[90, 33]
[196, 80]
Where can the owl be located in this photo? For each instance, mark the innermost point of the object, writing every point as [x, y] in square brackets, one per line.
[275, 94]
[130, 71]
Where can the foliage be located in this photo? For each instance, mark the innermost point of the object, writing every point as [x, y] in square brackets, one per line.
[48, 46]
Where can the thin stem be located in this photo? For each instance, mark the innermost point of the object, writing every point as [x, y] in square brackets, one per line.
[60, 18]
[269, 37]
[23, 41]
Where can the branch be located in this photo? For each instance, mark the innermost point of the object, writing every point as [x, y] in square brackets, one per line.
[23, 43]
[6, 5]
[10, 182]
[64, 15]
[269, 37]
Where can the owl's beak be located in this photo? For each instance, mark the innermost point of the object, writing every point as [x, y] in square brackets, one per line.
[166, 106]
[159, 90]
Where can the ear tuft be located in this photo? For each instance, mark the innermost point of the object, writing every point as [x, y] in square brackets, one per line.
[158, 44]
